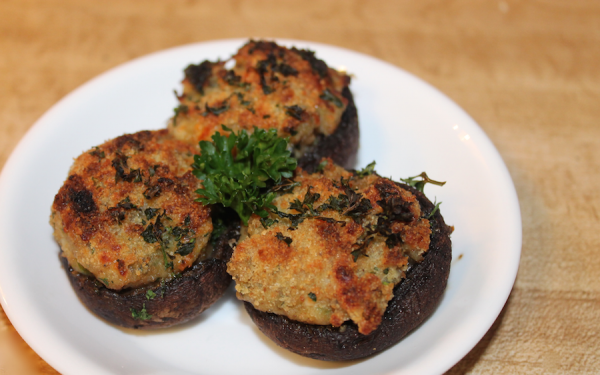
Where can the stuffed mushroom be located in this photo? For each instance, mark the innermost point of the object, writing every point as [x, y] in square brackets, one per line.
[138, 249]
[345, 265]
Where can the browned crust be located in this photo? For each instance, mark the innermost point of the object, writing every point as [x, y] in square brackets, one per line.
[415, 299]
[341, 145]
[176, 301]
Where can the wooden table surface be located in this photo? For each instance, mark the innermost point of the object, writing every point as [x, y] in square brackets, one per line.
[527, 71]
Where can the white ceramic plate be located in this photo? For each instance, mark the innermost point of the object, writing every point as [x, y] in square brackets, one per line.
[406, 126]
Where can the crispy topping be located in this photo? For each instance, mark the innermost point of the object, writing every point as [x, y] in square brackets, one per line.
[269, 87]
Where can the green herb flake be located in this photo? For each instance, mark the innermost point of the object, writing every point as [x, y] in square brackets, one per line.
[366, 171]
[435, 208]
[267, 222]
[420, 184]
[358, 253]
[186, 248]
[152, 170]
[166, 258]
[386, 271]
[126, 204]
[283, 238]
[238, 170]
[312, 296]
[150, 294]
[141, 315]
[182, 108]
[330, 97]
[148, 234]
[98, 153]
[217, 110]
[294, 111]
[150, 212]
[322, 165]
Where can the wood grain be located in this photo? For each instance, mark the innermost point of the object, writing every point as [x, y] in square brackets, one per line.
[526, 71]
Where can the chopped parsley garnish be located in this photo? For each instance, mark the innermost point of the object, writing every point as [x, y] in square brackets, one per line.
[148, 234]
[358, 253]
[126, 204]
[312, 296]
[182, 108]
[267, 222]
[306, 206]
[321, 166]
[420, 184]
[150, 212]
[237, 171]
[185, 248]
[98, 153]
[283, 238]
[328, 95]
[218, 110]
[119, 163]
[436, 207]
[199, 74]
[294, 111]
[366, 171]
[150, 294]
[152, 170]
[141, 315]
[233, 79]
[317, 65]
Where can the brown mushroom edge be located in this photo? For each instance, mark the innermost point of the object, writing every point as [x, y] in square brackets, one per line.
[176, 301]
[341, 145]
[415, 299]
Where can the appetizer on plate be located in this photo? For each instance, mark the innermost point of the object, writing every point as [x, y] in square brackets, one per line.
[345, 264]
[139, 250]
[271, 87]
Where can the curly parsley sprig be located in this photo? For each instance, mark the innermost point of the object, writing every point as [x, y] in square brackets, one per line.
[237, 171]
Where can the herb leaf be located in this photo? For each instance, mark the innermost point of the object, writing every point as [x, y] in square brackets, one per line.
[321, 166]
[238, 170]
[330, 97]
[140, 315]
[435, 208]
[366, 171]
[267, 222]
[150, 294]
[283, 238]
[420, 184]
[185, 248]
[98, 153]
[182, 108]
[294, 111]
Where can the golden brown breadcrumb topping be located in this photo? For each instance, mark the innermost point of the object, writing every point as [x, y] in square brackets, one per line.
[268, 87]
[334, 252]
[126, 213]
